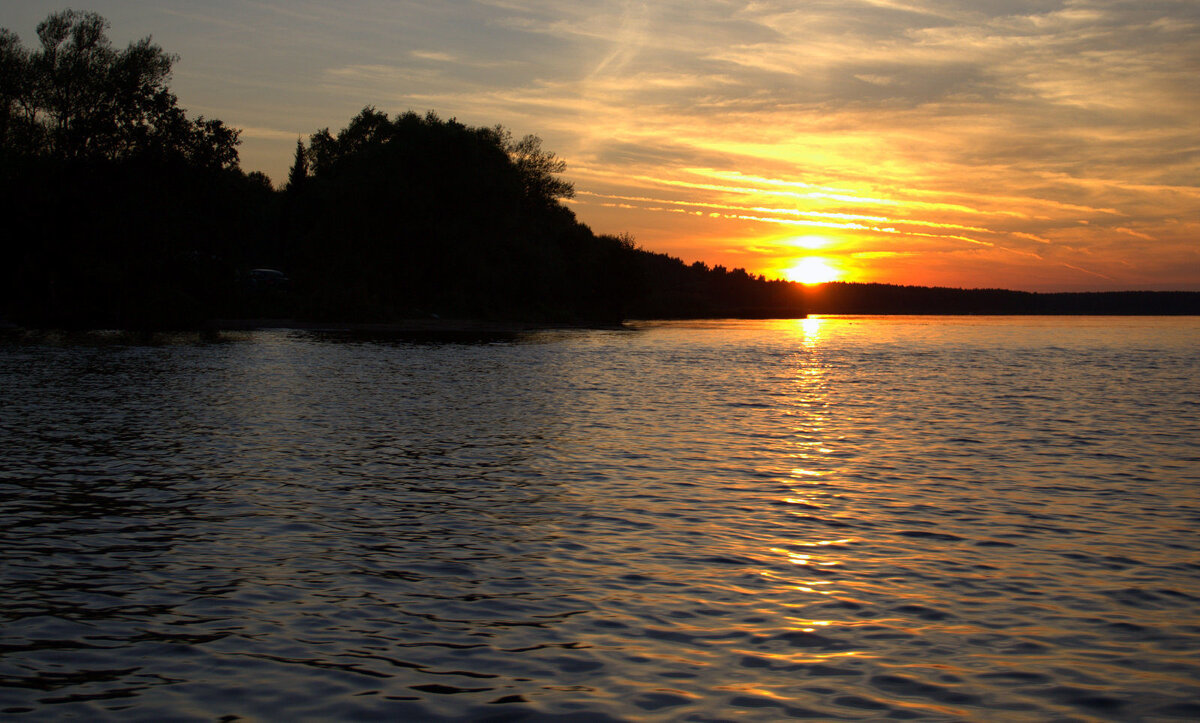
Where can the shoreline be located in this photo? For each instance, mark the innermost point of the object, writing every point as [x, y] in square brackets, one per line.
[467, 327]
[402, 326]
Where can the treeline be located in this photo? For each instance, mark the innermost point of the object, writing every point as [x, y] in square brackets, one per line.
[123, 211]
[416, 216]
[851, 298]
[120, 210]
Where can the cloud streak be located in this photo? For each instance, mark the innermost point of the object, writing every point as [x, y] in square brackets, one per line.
[1057, 140]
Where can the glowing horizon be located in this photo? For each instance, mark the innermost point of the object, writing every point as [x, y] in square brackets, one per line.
[812, 270]
[932, 142]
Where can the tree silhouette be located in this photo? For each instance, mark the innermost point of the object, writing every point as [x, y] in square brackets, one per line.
[299, 171]
[77, 98]
[120, 210]
[14, 78]
[538, 168]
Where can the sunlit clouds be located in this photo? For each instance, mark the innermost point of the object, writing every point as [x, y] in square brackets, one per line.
[1012, 143]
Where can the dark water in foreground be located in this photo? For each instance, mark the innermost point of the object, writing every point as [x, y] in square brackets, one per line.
[947, 518]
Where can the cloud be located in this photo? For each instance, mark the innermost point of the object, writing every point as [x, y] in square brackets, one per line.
[432, 55]
[248, 132]
[1061, 130]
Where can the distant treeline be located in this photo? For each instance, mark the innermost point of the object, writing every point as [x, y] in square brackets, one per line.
[848, 298]
[120, 210]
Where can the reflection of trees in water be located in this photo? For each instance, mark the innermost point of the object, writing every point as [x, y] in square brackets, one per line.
[103, 494]
[393, 419]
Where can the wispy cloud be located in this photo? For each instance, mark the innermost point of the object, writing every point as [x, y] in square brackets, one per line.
[1006, 143]
[274, 134]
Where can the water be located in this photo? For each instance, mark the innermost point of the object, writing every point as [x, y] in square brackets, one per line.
[838, 518]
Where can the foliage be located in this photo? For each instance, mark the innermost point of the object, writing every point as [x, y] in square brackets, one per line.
[416, 216]
[119, 209]
[298, 174]
[851, 298]
[123, 211]
[75, 97]
[137, 244]
[538, 168]
[671, 289]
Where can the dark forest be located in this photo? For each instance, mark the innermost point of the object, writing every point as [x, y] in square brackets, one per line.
[121, 211]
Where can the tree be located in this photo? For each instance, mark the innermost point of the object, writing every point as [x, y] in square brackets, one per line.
[299, 171]
[77, 98]
[538, 168]
[14, 74]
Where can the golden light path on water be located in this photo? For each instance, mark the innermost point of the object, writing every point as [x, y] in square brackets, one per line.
[882, 584]
[952, 518]
[805, 494]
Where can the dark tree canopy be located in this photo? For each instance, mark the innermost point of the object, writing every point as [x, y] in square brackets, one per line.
[123, 211]
[299, 171]
[75, 97]
[538, 168]
[14, 80]
[414, 215]
[371, 130]
[120, 210]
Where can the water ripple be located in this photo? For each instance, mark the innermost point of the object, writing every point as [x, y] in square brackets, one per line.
[831, 519]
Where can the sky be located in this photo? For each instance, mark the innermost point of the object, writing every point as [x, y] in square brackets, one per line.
[1046, 145]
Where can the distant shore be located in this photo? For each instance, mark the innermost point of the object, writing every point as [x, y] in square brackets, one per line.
[893, 301]
[400, 326]
[437, 328]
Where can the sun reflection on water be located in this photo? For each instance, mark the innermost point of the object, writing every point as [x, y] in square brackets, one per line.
[810, 330]
[809, 572]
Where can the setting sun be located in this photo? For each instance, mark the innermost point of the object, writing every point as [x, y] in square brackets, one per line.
[812, 270]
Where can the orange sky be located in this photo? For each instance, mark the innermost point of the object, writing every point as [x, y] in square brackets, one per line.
[1028, 144]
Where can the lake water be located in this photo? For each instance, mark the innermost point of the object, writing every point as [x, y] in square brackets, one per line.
[937, 518]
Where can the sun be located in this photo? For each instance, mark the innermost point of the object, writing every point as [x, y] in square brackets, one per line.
[812, 270]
